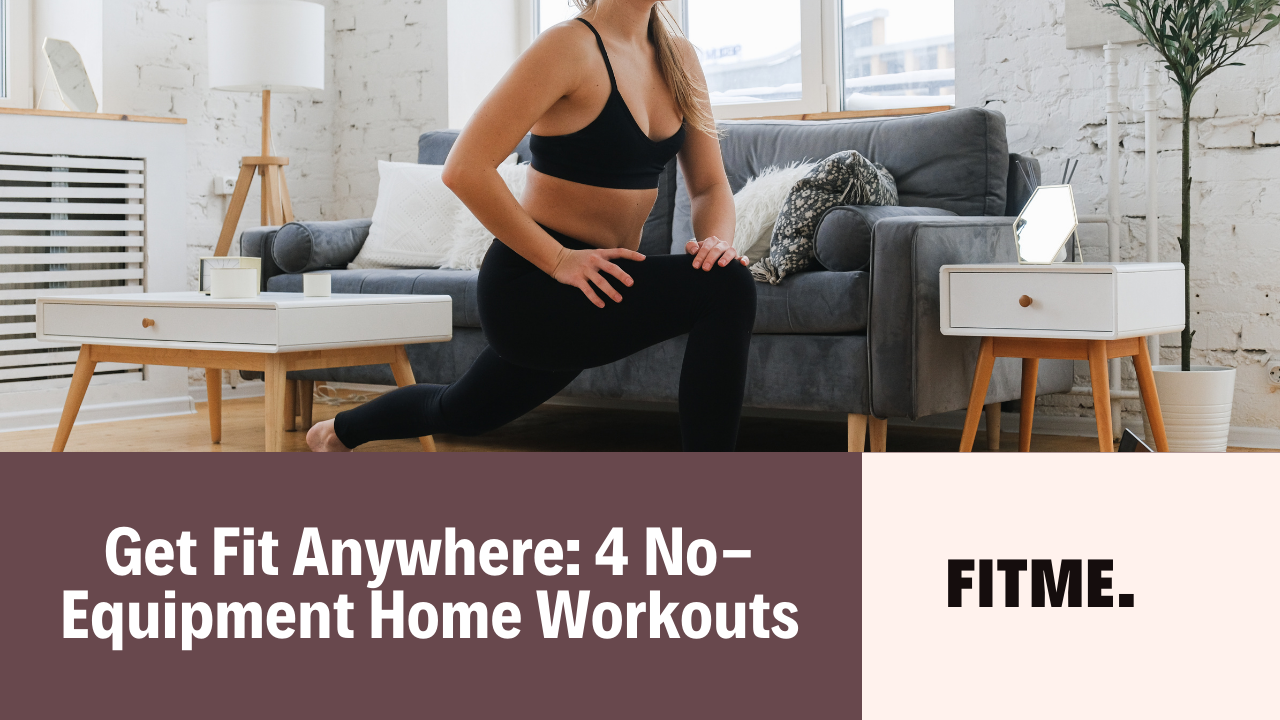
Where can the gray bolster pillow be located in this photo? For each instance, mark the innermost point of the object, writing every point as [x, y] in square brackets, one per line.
[843, 240]
[307, 246]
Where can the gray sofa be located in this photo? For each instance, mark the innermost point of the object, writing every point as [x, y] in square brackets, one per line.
[862, 340]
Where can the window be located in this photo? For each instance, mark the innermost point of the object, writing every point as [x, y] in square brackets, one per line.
[4, 49]
[743, 64]
[769, 57]
[898, 53]
[15, 53]
[789, 57]
[553, 12]
[760, 57]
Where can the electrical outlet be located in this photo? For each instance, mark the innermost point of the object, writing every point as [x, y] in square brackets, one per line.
[1273, 372]
[224, 184]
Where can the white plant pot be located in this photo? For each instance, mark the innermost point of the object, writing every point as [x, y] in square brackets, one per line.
[1196, 406]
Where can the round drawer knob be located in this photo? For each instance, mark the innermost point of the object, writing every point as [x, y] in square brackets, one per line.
[148, 322]
[1025, 301]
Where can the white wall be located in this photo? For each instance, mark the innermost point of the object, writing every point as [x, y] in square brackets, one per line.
[1012, 57]
[485, 40]
[79, 22]
[391, 82]
[403, 69]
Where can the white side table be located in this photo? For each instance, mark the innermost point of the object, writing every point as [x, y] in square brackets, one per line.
[272, 333]
[1088, 311]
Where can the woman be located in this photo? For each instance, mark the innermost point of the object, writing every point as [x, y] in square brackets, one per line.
[610, 97]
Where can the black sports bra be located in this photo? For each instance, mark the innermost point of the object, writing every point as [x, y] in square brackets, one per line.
[611, 152]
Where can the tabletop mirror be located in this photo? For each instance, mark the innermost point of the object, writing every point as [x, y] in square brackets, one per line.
[1046, 224]
[70, 76]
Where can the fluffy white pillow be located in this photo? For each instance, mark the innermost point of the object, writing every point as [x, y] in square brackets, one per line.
[418, 222]
[470, 239]
[756, 208]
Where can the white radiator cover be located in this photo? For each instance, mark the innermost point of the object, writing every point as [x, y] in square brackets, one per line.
[87, 206]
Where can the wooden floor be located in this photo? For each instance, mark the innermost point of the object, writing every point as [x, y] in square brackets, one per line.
[549, 428]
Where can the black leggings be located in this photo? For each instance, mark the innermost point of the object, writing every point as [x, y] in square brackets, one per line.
[542, 333]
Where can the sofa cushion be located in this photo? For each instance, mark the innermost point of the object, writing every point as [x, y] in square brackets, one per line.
[843, 241]
[813, 303]
[457, 284]
[301, 247]
[434, 147]
[807, 303]
[956, 160]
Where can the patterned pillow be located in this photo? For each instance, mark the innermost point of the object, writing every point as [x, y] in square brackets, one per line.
[845, 178]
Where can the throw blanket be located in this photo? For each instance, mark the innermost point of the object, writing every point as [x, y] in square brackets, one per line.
[845, 178]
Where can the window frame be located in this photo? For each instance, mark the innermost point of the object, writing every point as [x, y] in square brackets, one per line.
[18, 47]
[822, 60]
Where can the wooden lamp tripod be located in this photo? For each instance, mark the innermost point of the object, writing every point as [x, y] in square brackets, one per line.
[277, 209]
[260, 47]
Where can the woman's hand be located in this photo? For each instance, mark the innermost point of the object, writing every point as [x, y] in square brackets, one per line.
[582, 268]
[712, 251]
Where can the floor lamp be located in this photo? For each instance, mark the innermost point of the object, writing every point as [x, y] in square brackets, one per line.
[261, 46]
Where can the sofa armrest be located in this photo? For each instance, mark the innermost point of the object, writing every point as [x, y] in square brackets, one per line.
[914, 369]
[257, 242]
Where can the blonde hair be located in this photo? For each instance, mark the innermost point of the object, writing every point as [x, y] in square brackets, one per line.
[665, 32]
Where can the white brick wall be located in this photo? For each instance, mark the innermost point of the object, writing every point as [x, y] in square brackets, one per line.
[390, 72]
[1011, 56]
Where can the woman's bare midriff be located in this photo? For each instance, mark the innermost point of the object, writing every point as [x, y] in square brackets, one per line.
[603, 217]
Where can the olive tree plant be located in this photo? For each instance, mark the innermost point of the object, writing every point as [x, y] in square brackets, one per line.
[1195, 38]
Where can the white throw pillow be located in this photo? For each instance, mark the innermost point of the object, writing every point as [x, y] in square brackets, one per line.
[756, 208]
[420, 223]
[470, 239]
[413, 220]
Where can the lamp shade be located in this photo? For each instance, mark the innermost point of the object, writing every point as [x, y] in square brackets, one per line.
[273, 45]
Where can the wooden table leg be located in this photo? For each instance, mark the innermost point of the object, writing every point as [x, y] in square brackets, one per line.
[1101, 393]
[977, 396]
[1150, 401]
[878, 432]
[306, 402]
[85, 365]
[213, 381]
[291, 405]
[857, 432]
[993, 426]
[275, 408]
[403, 373]
[1027, 407]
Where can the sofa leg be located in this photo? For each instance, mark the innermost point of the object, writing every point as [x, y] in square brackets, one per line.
[879, 428]
[857, 432]
[993, 426]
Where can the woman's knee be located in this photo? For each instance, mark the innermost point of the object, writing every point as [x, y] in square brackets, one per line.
[735, 286]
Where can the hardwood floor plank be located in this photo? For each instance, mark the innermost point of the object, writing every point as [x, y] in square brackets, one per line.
[549, 428]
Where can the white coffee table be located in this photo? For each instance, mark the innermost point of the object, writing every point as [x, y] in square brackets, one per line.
[272, 333]
[1069, 311]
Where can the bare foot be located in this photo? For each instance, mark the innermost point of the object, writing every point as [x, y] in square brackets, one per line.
[322, 438]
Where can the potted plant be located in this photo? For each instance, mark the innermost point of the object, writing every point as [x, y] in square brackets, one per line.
[1195, 38]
